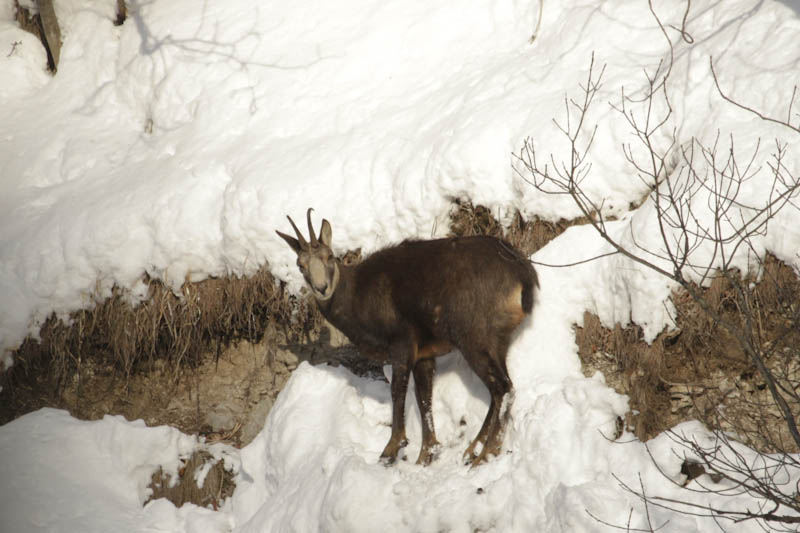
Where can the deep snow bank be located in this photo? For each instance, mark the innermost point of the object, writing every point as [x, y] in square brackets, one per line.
[62, 474]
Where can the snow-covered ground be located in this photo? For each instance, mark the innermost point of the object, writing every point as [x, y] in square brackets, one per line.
[176, 143]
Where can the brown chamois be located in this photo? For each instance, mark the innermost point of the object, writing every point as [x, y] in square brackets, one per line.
[409, 303]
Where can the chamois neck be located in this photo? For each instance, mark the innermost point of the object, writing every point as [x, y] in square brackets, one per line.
[340, 300]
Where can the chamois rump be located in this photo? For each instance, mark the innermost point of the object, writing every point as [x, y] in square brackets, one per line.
[408, 304]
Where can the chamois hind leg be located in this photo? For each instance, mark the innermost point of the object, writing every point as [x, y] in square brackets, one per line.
[483, 367]
[423, 385]
[492, 371]
[505, 397]
[397, 441]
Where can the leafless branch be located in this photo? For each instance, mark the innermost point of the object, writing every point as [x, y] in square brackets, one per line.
[787, 122]
[706, 222]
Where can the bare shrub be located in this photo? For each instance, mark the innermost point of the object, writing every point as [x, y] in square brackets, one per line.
[706, 224]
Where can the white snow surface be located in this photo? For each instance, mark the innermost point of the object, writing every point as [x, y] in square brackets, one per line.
[176, 143]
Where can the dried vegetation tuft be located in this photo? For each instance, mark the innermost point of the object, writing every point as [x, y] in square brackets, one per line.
[695, 371]
[526, 235]
[699, 371]
[201, 480]
[166, 329]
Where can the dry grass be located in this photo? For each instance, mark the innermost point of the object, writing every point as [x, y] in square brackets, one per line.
[526, 235]
[699, 371]
[173, 330]
[685, 374]
[631, 367]
[216, 487]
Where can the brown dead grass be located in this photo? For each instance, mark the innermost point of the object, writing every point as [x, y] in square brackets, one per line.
[526, 235]
[129, 359]
[699, 371]
[165, 330]
[216, 487]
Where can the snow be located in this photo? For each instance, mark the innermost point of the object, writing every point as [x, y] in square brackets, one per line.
[176, 143]
[62, 474]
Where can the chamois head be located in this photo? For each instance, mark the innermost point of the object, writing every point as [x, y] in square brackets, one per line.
[315, 258]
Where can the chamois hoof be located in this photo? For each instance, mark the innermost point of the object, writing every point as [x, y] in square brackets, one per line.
[390, 453]
[472, 459]
[387, 461]
[471, 455]
[479, 460]
[426, 456]
[469, 459]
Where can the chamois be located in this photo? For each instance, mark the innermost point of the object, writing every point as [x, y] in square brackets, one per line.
[410, 303]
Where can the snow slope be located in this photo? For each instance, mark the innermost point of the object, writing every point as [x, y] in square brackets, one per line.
[62, 474]
[176, 143]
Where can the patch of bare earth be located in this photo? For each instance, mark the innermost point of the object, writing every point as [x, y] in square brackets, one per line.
[174, 358]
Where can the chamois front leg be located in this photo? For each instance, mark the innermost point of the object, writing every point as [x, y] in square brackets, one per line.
[397, 441]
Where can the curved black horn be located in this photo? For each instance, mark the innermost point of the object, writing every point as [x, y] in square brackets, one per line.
[303, 243]
[311, 228]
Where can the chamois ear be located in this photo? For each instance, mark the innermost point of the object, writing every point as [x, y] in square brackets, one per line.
[291, 241]
[325, 233]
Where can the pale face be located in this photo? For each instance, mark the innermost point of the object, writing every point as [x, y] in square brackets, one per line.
[315, 259]
[320, 271]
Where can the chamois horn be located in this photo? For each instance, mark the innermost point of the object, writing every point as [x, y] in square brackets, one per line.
[303, 243]
[311, 228]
